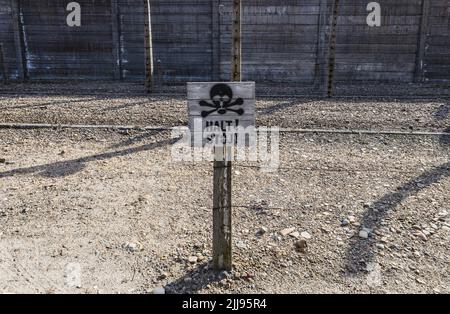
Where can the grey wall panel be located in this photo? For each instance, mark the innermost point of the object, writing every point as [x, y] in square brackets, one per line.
[283, 41]
[385, 53]
[7, 39]
[437, 47]
[182, 39]
[55, 50]
[279, 40]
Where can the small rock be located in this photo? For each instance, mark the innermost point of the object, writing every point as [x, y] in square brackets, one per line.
[345, 222]
[192, 259]
[163, 276]
[305, 235]
[200, 257]
[301, 246]
[351, 219]
[295, 234]
[287, 231]
[132, 247]
[159, 290]
[262, 231]
[363, 234]
[276, 238]
[421, 281]
[421, 235]
[241, 244]
[2, 160]
[142, 198]
[380, 246]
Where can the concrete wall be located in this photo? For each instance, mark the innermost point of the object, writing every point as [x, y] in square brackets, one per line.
[283, 40]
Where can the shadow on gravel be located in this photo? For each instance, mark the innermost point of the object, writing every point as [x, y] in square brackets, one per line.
[52, 103]
[195, 280]
[280, 107]
[70, 167]
[124, 106]
[443, 112]
[360, 251]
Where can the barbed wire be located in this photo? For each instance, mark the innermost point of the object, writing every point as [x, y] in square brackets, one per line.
[312, 169]
[30, 126]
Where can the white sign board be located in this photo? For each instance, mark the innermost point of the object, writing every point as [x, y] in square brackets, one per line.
[220, 104]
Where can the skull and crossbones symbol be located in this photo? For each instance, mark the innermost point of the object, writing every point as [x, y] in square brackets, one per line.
[222, 101]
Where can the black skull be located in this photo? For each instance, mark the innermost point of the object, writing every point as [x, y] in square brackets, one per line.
[221, 95]
[222, 100]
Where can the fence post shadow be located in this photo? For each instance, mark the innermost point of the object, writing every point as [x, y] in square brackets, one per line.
[195, 279]
[360, 251]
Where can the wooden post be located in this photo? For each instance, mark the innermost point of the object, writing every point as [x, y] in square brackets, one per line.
[222, 236]
[222, 211]
[419, 73]
[116, 42]
[332, 48]
[3, 65]
[321, 54]
[215, 40]
[149, 69]
[237, 47]
[19, 40]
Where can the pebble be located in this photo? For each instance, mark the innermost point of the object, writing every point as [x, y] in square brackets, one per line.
[421, 281]
[262, 231]
[345, 222]
[301, 246]
[351, 219]
[295, 234]
[421, 235]
[131, 247]
[363, 234]
[305, 235]
[380, 246]
[159, 290]
[287, 231]
[192, 259]
[200, 257]
[163, 276]
[276, 237]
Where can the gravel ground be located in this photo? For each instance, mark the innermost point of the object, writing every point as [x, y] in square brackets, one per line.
[116, 205]
[343, 213]
[129, 107]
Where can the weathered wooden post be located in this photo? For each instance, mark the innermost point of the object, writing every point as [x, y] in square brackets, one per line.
[419, 74]
[237, 46]
[332, 49]
[149, 69]
[222, 216]
[3, 65]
